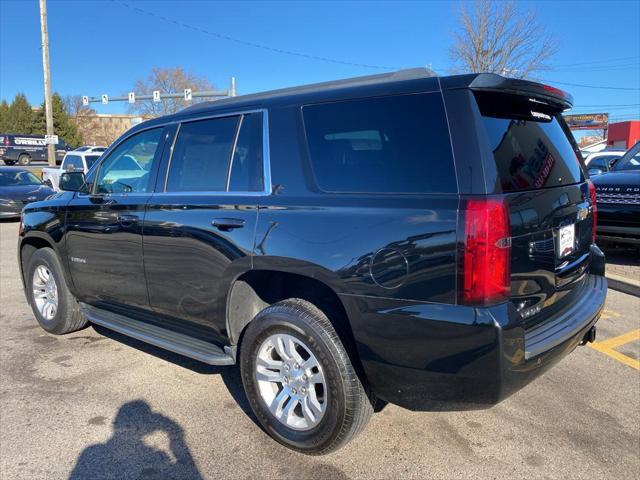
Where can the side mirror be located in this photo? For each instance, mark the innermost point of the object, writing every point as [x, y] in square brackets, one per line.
[595, 171]
[48, 183]
[73, 182]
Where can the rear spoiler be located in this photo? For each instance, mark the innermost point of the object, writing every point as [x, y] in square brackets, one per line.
[491, 82]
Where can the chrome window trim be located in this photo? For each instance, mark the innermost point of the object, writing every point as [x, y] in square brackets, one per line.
[233, 152]
[266, 160]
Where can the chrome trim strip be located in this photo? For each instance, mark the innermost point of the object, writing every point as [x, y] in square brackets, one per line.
[173, 144]
[233, 153]
[266, 161]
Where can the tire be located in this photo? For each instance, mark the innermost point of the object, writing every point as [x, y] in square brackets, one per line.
[66, 317]
[347, 406]
[24, 160]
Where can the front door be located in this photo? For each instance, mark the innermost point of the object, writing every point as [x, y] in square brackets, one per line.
[104, 228]
[199, 228]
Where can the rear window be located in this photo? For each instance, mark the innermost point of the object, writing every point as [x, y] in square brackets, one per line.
[530, 143]
[396, 144]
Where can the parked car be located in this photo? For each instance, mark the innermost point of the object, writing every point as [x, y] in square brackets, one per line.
[91, 148]
[74, 161]
[601, 162]
[425, 241]
[18, 187]
[23, 149]
[618, 200]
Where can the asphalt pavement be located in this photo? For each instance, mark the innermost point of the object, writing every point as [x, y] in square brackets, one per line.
[94, 404]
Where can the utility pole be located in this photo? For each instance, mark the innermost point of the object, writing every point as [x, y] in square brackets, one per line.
[47, 79]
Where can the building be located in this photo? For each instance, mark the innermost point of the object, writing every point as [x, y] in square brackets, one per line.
[623, 134]
[103, 129]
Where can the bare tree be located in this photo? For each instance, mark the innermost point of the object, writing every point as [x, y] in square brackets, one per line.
[73, 104]
[498, 37]
[167, 80]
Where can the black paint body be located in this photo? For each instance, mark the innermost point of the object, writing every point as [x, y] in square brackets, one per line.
[392, 259]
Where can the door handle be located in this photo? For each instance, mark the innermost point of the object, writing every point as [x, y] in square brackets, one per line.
[226, 224]
[126, 220]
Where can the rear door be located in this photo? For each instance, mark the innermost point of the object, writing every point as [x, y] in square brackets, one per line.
[199, 227]
[530, 157]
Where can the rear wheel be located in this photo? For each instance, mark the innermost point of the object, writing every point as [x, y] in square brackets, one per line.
[54, 307]
[24, 159]
[299, 379]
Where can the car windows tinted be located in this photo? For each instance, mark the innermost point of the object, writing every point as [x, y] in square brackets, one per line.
[247, 166]
[127, 169]
[531, 148]
[396, 144]
[201, 155]
[17, 178]
[91, 159]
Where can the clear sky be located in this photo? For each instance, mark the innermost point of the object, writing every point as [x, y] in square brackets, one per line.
[104, 46]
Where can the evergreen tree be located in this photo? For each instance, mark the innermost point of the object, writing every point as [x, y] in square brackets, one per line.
[63, 127]
[4, 117]
[21, 117]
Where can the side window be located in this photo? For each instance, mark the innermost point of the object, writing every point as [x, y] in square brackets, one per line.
[247, 166]
[397, 144]
[128, 167]
[201, 155]
[599, 162]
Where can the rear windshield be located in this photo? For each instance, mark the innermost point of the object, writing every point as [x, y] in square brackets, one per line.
[531, 144]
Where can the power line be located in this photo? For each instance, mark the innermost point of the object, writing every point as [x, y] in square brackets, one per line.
[594, 86]
[597, 61]
[317, 57]
[252, 44]
[608, 105]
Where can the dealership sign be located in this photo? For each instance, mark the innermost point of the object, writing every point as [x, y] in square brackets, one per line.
[587, 121]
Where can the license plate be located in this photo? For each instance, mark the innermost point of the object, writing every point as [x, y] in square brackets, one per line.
[566, 240]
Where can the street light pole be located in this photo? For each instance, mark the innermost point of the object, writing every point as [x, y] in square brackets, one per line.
[47, 79]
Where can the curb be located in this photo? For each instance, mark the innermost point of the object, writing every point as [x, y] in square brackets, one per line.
[623, 284]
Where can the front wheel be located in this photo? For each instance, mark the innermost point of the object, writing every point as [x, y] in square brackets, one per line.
[53, 305]
[299, 380]
[24, 160]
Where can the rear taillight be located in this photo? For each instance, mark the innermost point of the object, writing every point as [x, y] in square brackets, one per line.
[486, 256]
[594, 209]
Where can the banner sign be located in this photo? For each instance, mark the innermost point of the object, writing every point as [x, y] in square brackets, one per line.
[588, 121]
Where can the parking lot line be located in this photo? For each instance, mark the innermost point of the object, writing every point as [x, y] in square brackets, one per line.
[608, 347]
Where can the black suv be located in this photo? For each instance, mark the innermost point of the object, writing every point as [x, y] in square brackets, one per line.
[419, 240]
[23, 149]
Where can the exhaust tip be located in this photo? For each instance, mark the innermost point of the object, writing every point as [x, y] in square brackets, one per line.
[589, 337]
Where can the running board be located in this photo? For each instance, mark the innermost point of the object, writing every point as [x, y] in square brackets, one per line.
[160, 337]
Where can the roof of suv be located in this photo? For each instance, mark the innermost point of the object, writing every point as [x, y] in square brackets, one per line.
[401, 81]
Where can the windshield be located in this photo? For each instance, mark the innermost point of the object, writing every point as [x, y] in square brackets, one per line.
[22, 177]
[629, 161]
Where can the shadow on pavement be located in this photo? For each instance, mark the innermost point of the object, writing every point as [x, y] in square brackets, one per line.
[230, 374]
[126, 455]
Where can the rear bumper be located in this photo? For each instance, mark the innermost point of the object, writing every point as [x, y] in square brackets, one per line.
[451, 357]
